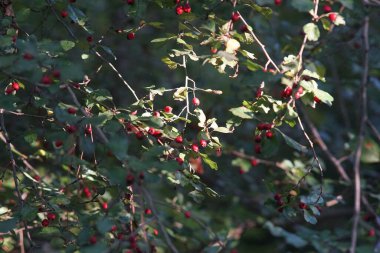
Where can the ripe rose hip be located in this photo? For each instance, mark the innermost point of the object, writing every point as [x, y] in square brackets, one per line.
[187, 8]
[254, 162]
[195, 147]
[179, 160]
[179, 10]
[46, 80]
[187, 214]
[168, 109]
[130, 179]
[269, 134]
[15, 86]
[258, 138]
[88, 130]
[302, 205]
[64, 14]
[235, 16]
[258, 149]
[45, 223]
[93, 239]
[203, 143]
[196, 101]
[148, 211]
[51, 216]
[131, 36]
[9, 90]
[333, 16]
[327, 8]
[277, 2]
[179, 139]
[71, 110]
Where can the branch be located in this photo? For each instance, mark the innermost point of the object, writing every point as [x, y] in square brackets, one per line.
[260, 44]
[374, 130]
[162, 227]
[261, 161]
[358, 152]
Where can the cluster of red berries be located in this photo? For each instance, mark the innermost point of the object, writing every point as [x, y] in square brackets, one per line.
[332, 16]
[263, 128]
[236, 17]
[48, 79]
[279, 202]
[12, 87]
[50, 218]
[180, 9]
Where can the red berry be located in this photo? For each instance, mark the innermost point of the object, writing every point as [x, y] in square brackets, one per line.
[214, 50]
[58, 143]
[241, 171]
[187, 8]
[187, 214]
[179, 160]
[71, 129]
[269, 134]
[280, 202]
[130, 179]
[179, 139]
[71, 110]
[56, 74]
[88, 130]
[131, 36]
[90, 39]
[93, 239]
[333, 16]
[37, 178]
[151, 130]
[155, 232]
[196, 101]
[235, 16]
[203, 143]
[254, 162]
[244, 28]
[277, 2]
[168, 109]
[317, 100]
[302, 205]
[327, 8]
[46, 80]
[139, 135]
[268, 126]
[15, 86]
[258, 149]
[45, 223]
[105, 206]
[277, 196]
[156, 114]
[179, 10]
[114, 228]
[258, 138]
[287, 92]
[9, 90]
[64, 14]
[261, 126]
[51, 216]
[371, 232]
[131, 2]
[195, 147]
[134, 113]
[148, 211]
[177, 1]
[28, 56]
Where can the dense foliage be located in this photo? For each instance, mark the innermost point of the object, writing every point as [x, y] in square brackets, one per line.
[189, 126]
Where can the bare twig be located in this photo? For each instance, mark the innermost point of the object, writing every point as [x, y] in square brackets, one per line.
[162, 227]
[260, 44]
[260, 161]
[374, 130]
[358, 152]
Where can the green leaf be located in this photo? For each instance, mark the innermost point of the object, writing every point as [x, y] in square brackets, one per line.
[252, 66]
[290, 238]
[242, 112]
[67, 44]
[104, 225]
[312, 32]
[213, 165]
[309, 217]
[324, 97]
[292, 143]
[8, 225]
[371, 152]
[243, 164]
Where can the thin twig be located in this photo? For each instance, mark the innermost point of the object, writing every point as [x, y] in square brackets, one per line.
[260, 161]
[358, 152]
[260, 44]
[374, 130]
